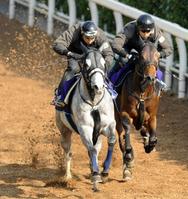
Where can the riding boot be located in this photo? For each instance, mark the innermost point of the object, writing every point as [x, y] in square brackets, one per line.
[58, 97]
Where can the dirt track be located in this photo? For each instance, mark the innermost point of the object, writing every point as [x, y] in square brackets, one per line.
[30, 154]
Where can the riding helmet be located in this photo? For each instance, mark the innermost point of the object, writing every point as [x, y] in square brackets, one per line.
[145, 22]
[89, 29]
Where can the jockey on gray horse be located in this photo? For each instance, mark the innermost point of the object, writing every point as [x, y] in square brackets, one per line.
[91, 115]
[69, 44]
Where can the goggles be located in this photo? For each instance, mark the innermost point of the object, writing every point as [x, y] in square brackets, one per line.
[145, 31]
[89, 37]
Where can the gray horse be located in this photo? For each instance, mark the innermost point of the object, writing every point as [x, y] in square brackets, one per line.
[92, 114]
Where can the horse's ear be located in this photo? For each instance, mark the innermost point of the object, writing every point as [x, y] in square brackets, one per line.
[104, 46]
[157, 55]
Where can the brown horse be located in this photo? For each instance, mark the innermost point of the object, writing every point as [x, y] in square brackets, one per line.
[138, 105]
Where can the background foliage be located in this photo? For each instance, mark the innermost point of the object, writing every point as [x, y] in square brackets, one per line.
[172, 10]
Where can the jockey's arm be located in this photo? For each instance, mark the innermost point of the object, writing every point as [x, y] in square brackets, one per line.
[118, 45]
[63, 42]
[107, 50]
[108, 56]
[165, 48]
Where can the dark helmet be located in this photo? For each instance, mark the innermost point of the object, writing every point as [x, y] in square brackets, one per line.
[145, 22]
[89, 29]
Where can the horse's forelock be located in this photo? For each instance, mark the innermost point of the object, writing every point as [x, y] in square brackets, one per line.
[148, 52]
[95, 58]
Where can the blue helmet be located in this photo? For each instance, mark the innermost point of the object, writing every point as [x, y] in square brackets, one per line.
[145, 22]
[89, 29]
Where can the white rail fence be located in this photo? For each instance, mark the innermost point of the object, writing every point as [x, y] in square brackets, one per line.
[171, 67]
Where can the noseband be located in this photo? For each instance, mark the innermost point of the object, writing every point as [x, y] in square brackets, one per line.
[88, 70]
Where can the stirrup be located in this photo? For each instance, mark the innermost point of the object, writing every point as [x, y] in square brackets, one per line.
[57, 101]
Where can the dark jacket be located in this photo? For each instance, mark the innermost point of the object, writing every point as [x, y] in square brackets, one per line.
[70, 39]
[129, 39]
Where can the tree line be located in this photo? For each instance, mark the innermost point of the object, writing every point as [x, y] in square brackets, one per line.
[171, 10]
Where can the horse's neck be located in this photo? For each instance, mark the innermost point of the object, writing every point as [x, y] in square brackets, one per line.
[84, 90]
[85, 93]
[136, 82]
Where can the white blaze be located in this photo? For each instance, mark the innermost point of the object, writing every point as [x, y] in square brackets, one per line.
[97, 80]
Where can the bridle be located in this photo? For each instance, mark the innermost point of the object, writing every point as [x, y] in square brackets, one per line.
[87, 74]
[141, 66]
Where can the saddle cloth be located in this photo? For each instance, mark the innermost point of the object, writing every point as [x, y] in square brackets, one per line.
[118, 77]
[66, 90]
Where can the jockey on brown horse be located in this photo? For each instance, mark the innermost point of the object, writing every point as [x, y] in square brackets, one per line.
[138, 99]
[133, 36]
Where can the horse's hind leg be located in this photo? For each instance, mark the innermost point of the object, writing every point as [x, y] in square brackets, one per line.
[66, 145]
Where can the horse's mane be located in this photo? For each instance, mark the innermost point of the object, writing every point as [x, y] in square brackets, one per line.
[149, 44]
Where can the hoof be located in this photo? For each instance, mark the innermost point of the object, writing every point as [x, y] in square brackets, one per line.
[95, 188]
[96, 178]
[148, 149]
[151, 146]
[127, 175]
[104, 177]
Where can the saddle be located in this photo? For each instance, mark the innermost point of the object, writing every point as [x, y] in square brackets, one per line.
[118, 77]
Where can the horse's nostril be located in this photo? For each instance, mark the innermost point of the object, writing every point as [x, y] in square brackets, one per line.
[96, 87]
[149, 78]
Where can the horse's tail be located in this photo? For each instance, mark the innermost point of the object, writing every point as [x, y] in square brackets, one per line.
[96, 129]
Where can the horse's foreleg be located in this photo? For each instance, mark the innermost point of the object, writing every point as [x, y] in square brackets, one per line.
[94, 161]
[152, 134]
[111, 143]
[97, 146]
[145, 135]
[93, 152]
[128, 155]
[96, 177]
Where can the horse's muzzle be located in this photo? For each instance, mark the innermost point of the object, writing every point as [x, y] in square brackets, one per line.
[98, 90]
[150, 78]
